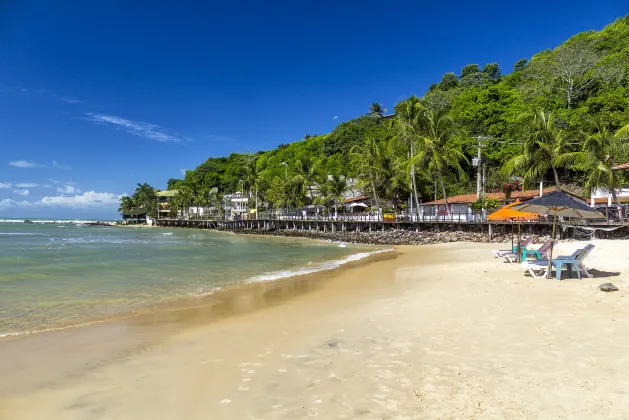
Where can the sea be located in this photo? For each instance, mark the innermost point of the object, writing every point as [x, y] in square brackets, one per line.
[58, 274]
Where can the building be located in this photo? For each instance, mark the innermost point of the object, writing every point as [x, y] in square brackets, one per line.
[134, 217]
[459, 205]
[236, 206]
[163, 203]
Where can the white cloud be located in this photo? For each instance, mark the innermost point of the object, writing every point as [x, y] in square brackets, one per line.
[57, 165]
[26, 185]
[9, 203]
[68, 189]
[31, 164]
[3, 185]
[136, 128]
[183, 172]
[54, 181]
[23, 192]
[23, 164]
[87, 199]
[336, 117]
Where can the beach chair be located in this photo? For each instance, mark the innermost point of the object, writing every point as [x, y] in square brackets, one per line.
[539, 253]
[500, 253]
[539, 268]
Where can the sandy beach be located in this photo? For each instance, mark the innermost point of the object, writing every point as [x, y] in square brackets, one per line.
[440, 331]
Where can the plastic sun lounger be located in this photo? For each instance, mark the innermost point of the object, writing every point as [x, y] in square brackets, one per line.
[539, 268]
[500, 253]
[539, 253]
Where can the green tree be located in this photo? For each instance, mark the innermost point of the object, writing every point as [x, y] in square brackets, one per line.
[145, 198]
[376, 110]
[469, 70]
[600, 153]
[306, 169]
[492, 70]
[336, 188]
[434, 148]
[545, 143]
[520, 64]
[126, 204]
[368, 158]
[449, 81]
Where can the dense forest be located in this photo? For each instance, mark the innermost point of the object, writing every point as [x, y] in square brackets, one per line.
[561, 116]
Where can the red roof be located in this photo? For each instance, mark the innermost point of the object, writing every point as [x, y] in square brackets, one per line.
[354, 199]
[623, 166]
[470, 198]
[603, 200]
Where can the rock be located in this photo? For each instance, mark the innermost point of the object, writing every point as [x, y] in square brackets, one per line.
[608, 287]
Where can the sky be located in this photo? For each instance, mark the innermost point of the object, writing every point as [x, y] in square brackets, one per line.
[97, 96]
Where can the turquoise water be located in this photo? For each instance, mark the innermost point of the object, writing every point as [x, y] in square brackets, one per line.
[65, 274]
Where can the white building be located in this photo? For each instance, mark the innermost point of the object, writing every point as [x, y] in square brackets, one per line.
[236, 206]
[603, 198]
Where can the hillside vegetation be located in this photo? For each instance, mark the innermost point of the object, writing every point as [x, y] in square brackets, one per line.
[561, 116]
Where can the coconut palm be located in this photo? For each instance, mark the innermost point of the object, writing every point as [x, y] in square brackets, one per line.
[376, 110]
[336, 188]
[600, 152]
[306, 171]
[434, 153]
[368, 158]
[182, 200]
[408, 123]
[145, 198]
[126, 204]
[544, 144]
[250, 173]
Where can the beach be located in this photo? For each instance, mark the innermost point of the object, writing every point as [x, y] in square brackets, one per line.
[438, 331]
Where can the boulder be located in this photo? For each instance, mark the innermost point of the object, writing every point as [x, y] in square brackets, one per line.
[608, 287]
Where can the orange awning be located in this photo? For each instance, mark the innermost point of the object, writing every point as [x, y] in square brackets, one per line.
[506, 213]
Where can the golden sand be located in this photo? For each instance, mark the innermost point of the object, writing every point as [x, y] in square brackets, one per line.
[442, 331]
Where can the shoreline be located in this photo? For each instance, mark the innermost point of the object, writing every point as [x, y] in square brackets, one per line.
[171, 317]
[441, 331]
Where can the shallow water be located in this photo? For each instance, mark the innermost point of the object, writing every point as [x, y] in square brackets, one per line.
[62, 274]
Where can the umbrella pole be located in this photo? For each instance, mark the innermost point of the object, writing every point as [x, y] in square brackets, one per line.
[552, 242]
[519, 242]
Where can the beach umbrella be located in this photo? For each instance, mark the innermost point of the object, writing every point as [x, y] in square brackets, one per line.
[508, 213]
[358, 205]
[558, 203]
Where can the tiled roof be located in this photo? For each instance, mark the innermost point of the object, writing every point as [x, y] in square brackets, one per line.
[355, 199]
[470, 198]
[603, 200]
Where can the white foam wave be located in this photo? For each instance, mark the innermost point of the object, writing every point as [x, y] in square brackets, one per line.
[313, 268]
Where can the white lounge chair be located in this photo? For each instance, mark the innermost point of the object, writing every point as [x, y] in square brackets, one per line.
[500, 253]
[539, 268]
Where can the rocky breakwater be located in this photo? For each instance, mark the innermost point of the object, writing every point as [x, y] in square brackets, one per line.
[388, 237]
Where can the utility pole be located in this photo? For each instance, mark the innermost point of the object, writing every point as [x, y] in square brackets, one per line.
[478, 162]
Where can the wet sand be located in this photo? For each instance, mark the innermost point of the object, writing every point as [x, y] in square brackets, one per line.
[441, 331]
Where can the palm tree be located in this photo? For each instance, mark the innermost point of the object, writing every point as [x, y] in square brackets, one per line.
[145, 197]
[408, 123]
[126, 204]
[182, 200]
[336, 187]
[250, 173]
[600, 153]
[368, 158]
[434, 151]
[376, 110]
[306, 171]
[544, 144]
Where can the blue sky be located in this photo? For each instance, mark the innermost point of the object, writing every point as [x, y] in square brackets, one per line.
[96, 96]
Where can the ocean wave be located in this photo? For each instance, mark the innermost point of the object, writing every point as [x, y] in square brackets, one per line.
[313, 268]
